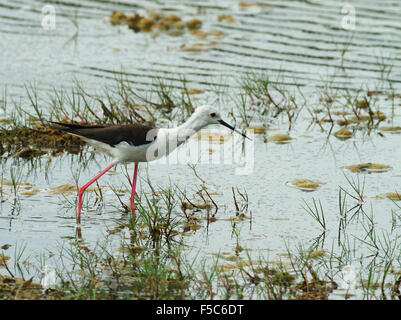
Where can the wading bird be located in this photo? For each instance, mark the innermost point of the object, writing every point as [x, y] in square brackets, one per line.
[139, 143]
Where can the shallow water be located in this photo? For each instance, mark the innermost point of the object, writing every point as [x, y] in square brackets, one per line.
[296, 42]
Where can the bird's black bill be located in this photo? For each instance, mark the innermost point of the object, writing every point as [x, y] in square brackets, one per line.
[232, 128]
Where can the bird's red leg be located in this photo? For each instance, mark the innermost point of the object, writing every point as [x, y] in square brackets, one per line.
[132, 204]
[86, 185]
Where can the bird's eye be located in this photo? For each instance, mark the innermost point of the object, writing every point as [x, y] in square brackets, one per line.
[213, 114]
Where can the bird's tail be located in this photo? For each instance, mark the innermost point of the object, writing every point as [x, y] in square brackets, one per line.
[72, 127]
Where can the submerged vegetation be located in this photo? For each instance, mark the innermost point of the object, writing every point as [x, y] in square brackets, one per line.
[153, 260]
[27, 143]
[171, 24]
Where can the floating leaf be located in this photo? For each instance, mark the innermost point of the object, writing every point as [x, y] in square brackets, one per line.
[368, 167]
[30, 192]
[117, 18]
[226, 18]
[306, 184]
[192, 91]
[315, 254]
[193, 24]
[280, 138]
[362, 104]
[63, 188]
[394, 129]
[240, 264]
[257, 129]
[343, 134]
[393, 196]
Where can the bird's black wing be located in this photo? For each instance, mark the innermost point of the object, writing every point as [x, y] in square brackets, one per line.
[134, 134]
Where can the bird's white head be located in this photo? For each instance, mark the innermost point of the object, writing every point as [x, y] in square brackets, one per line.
[205, 115]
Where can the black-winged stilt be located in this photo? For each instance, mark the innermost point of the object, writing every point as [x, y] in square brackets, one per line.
[139, 143]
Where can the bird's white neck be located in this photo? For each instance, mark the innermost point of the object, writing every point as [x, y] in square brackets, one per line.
[171, 138]
[189, 128]
[193, 124]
